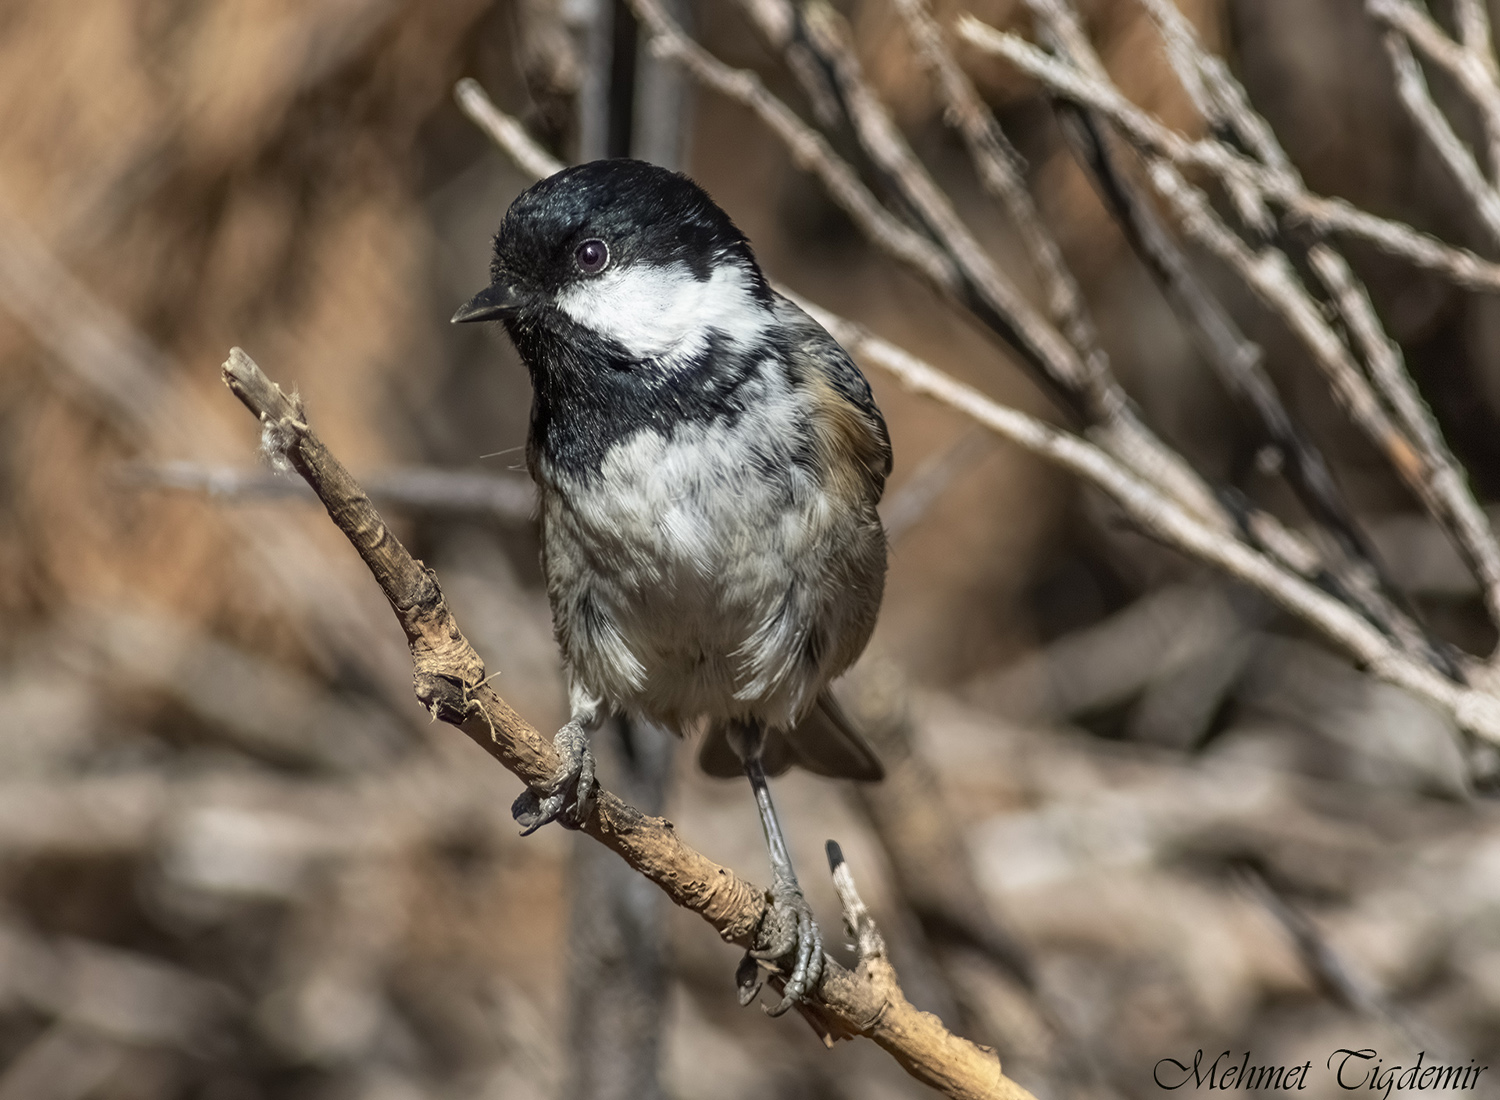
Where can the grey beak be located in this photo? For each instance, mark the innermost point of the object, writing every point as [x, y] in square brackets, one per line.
[490, 304]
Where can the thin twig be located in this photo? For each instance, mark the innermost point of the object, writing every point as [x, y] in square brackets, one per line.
[903, 509]
[1473, 535]
[1419, 457]
[1235, 359]
[857, 919]
[1238, 364]
[1472, 709]
[999, 169]
[1269, 273]
[504, 130]
[1320, 213]
[1088, 392]
[510, 500]
[1443, 484]
[1223, 100]
[1470, 62]
[1351, 989]
[450, 681]
[1416, 97]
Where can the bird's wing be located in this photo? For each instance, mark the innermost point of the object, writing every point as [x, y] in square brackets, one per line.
[840, 395]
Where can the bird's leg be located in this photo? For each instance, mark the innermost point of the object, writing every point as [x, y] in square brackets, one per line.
[569, 795]
[787, 931]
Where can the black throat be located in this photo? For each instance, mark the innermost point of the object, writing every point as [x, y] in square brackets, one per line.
[589, 394]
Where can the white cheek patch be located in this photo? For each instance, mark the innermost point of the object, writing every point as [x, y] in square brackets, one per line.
[656, 311]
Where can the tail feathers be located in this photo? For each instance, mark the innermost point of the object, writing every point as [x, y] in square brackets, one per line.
[825, 743]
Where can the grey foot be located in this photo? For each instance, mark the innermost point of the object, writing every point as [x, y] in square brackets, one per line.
[568, 796]
[788, 937]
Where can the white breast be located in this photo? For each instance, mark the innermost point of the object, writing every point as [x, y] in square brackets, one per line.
[709, 567]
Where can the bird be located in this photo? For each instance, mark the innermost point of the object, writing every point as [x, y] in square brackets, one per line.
[708, 462]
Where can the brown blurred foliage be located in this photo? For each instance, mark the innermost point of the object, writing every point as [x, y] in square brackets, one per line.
[237, 862]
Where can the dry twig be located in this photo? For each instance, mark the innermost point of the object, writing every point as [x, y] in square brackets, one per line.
[1353, 566]
[1470, 61]
[955, 264]
[450, 682]
[1407, 438]
[506, 499]
[1234, 359]
[1475, 710]
[1317, 212]
[1416, 97]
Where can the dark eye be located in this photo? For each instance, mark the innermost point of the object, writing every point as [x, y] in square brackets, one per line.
[592, 257]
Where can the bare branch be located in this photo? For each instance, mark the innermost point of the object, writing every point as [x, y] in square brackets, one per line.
[450, 682]
[1412, 445]
[1417, 98]
[503, 130]
[1474, 29]
[1238, 363]
[1222, 101]
[1085, 388]
[999, 168]
[903, 509]
[510, 500]
[1472, 63]
[1236, 360]
[1460, 512]
[1318, 212]
[1474, 710]
[1270, 275]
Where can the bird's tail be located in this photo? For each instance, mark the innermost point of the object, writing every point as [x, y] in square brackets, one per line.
[825, 743]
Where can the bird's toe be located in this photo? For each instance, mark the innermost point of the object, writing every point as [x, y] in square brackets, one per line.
[569, 796]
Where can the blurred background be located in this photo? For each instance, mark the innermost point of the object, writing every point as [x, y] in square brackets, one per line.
[1134, 811]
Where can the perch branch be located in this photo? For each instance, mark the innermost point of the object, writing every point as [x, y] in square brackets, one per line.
[450, 681]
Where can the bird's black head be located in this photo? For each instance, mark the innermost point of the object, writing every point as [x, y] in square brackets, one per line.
[613, 246]
[634, 301]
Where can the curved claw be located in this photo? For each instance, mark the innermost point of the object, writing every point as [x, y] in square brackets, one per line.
[532, 811]
[790, 931]
[809, 966]
[748, 978]
[568, 797]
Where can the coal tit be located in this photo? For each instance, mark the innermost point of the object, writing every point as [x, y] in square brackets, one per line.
[709, 460]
